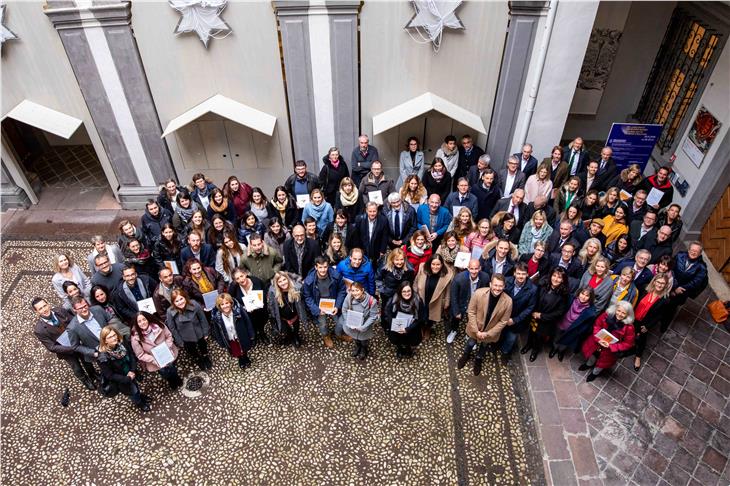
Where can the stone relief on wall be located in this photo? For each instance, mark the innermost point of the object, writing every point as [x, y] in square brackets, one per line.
[201, 17]
[600, 54]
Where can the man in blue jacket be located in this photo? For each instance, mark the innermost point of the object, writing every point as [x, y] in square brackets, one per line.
[524, 297]
[434, 217]
[324, 282]
[690, 279]
[462, 288]
[357, 268]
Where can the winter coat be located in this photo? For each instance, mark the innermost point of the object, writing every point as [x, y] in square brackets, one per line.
[312, 183]
[552, 306]
[443, 219]
[143, 348]
[241, 323]
[407, 167]
[363, 275]
[694, 280]
[115, 370]
[415, 260]
[477, 313]
[461, 291]
[352, 211]
[486, 199]
[371, 314]
[369, 184]
[527, 239]
[162, 253]
[193, 290]
[470, 201]
[441, 298]
[442, 187]
[262, 266]
[189, 325]
[330, 178]
[412, 336]
[522, 304]
[152, 226]
[387, 281]
[610, 355]
[278, 325]
[603, 290]
[310, 290]
[575, 335]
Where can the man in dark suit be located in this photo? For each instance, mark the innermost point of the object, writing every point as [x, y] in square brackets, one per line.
[362, 159]
[576, 156]
[511, 177]
[636, 207]
[528, 163]
[468, 156]
[524, 299]
[197, 249]
[607, 174]
[299, 252]
[556, 240]
[541, 204]
[51, 324]
[372, 233]
[474, 174]
[514, 205]
[640, 265]
[498, 260]
[659, 246]
[594, 230]
[401, 221]
[589, 179]
[643, 231]
[85, 328]
[462, 288]
[567, 261]
[133, 289]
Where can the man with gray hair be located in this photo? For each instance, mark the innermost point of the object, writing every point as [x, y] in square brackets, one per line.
[401, 220]
[469, 155]
[101, 247]
[362, 159]
[528, 163]
[474, 175]
[376, 181]
[371, 232]
[511, 178]
[642, 274]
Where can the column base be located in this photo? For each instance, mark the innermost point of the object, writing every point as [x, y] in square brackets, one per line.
[13, 197]
[135, 197]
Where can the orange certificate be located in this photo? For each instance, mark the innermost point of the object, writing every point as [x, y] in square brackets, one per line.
[327, 306]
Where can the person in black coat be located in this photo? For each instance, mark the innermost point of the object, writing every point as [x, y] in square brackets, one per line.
[301, 182]
[243, 284]
[541, 204]
[133, 288]
[660, 246]
[374, 242]
[640, 265]
[690, 279]
[406, 302]
[524, 297]
[468, 156]
[309, 251]
[487, 193]
[574, 329]
[334, 169]
[594, 230]
[649, 312]
[537, 263]
[118, 365]
[513, 205]
[462, 288]
[232, 329]
[528, 163]
[569, 263]
[342, 226]
[437, 180]
[153, 219]
[552, 303]
[498, 260]
[576, 156]
[642, 232]
[51, 323]
[199, 250]
[395, 270]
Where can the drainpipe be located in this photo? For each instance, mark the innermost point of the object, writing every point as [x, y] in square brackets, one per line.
[532, 100]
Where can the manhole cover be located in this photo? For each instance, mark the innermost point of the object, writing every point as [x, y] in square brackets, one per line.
[195, 384]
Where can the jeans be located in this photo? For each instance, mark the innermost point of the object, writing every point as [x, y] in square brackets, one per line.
[481, 348]
[82, 369]
[508, 339]
[323, 322]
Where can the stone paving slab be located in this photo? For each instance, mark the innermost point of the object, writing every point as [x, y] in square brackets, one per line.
[297, 416]
[668, 424]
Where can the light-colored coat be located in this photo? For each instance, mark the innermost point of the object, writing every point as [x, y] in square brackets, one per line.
[143, 348]
[477, 312]
[370, 315]
[408, 167]
[441, 298]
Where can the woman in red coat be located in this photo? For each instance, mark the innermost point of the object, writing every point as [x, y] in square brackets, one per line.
[618, 320]
[418, 251]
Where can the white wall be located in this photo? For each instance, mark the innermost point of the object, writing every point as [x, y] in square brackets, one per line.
[394, 68]
[716, 98]
[245, 66]
[568, 42]
[35, 67]
[645, 27]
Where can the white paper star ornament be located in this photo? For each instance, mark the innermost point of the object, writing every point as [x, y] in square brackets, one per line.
[431, 18]
[5, 33]
[201, 17]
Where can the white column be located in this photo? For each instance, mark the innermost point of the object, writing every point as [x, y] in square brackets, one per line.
[319, 46]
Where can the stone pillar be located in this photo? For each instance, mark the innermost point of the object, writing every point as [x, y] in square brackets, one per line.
[11, 196]
[319, 42]
[523, 24]
[100, 46]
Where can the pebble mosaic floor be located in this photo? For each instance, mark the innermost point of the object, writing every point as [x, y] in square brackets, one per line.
[297, 416]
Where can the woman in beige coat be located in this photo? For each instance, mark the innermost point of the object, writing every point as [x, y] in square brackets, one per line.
[489, 312]
[433, 285]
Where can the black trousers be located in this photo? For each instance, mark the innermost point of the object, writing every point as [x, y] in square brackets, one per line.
[197, 349]
[482, 348]
[82, 369]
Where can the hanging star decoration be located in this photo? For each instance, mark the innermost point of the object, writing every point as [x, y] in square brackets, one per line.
[5, 33]
[430, 20]
[201, 17]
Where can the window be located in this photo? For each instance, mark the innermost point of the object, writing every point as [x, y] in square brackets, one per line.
[687, 51]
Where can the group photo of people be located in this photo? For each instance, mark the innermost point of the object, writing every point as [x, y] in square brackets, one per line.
[561, 252]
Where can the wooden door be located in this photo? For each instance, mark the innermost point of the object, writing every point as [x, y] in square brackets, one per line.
[716, 236]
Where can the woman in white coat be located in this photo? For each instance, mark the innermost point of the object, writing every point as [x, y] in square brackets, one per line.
[412, 161]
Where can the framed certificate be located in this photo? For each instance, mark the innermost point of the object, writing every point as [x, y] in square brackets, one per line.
[147, 305]
[302, 200]
[327, 306]
[355, 320]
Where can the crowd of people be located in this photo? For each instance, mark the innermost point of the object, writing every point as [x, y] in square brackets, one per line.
[570, 252]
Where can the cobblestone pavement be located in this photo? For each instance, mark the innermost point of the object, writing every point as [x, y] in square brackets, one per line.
[668, 424]
[306, 416]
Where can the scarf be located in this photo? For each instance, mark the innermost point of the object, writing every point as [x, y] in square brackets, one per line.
[151, 333]
[406, 306]
[281, 207]
[351, 199]
[437, 175]
[316, 211]
[219, 208]
[417, 251]
[448, 254]
[537, 232]
[203, 192]
[613, 324]
[203, 283]
[573, 313]
[186, 214]
[447, 152]
[119, 352]
[335, 164]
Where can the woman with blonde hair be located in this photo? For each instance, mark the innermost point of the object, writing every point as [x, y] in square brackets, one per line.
[286, 308]
[67, 271]
[630, 178]
[413, 191]
[537, 229]
[396, 270]
[599, 354]
[608, 203]
[118, 364]
[232, 329]
[319, 209]
[598, 278]
[462, 225]
[589, 253]
[480, 237]
[418, 249]
[538, 184]
[649, 312]
[349, 199]
[623, 287]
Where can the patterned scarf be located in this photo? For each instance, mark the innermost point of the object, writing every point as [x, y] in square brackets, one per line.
[186, 214]
[351, 199]
[119, 352]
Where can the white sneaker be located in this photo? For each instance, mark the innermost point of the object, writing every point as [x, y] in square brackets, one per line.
[450, 338]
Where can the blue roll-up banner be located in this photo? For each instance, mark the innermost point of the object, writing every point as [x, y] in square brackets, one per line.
[632, 143]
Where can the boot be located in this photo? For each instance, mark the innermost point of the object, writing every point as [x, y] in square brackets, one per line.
[88, 383]
[426, 333]
[525, 348]
[463, 360]
[477, 366]
[363, 352]
[561, 355]
[202, 363]
[399, 353]
[208, 362]
[175, 382]
[297, 340]
[553, 352]
[328, 341]
[144, 406]
[356, 351]
[345, 338]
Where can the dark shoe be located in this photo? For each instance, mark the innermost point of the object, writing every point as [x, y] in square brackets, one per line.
[297, 341]
[363, 353]
[477, 366]
[144, 406]
[202, 364]
[88, 384]
[553, 352]
[561, 355]
[533, 356]
[145, 398]
[207, 362]
[65, 398]
[175, 382]
[525, 349]
[591, 376]
[355, 352]
[584, 367]
[242, 362]
[506, 357]
[399, 354]
[462, 360]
